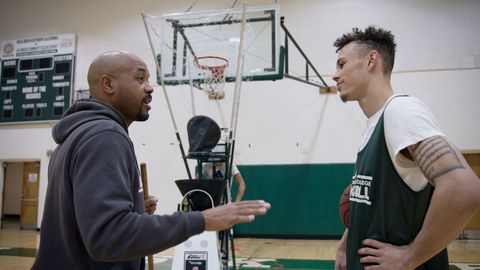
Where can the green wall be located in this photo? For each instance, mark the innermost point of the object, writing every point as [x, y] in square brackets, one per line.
[304, 199]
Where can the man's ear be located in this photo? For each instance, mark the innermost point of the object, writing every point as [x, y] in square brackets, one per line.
[106, 82]
[373, 56]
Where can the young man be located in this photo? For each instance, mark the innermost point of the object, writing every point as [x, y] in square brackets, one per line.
[412, 192]
[93, 217]
[216, 170]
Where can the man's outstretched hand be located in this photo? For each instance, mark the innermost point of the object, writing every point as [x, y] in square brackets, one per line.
[225, 216]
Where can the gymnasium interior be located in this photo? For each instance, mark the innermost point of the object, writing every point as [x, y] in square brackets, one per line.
[295, 141]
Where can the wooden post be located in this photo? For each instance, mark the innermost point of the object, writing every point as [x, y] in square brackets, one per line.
[143, 171]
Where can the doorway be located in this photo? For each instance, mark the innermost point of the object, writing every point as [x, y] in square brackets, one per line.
[473, 227]
[20, 194]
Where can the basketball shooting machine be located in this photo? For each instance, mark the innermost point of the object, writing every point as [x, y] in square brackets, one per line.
[205, 50]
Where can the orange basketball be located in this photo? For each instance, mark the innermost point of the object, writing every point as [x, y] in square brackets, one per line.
[344, 207]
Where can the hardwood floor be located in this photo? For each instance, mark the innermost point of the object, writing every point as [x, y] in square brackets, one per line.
[18, 247]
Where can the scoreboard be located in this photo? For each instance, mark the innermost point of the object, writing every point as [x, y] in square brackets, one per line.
[36, 78]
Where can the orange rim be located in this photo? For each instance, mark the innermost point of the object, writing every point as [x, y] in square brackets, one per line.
[211, 68]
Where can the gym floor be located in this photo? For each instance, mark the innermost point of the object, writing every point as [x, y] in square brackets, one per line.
[18, 248]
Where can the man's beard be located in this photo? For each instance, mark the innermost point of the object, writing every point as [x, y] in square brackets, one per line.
[142, 116]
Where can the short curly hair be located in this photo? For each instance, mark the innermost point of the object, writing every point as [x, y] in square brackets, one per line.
[372, 38]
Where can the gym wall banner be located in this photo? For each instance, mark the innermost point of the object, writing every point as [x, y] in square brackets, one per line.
[36, 78]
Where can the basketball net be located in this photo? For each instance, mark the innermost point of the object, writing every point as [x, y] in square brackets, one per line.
[213, 70]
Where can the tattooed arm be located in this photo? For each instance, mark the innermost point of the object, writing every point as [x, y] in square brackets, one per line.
[436, 157]
[455, 199]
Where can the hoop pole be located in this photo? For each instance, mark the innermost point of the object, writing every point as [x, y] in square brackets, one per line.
[234, 131]
[190, 82]
[238, 99]
[238, 75]
[236, 93]
[162, 83]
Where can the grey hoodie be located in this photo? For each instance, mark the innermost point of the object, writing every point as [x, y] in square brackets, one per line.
[93, 217]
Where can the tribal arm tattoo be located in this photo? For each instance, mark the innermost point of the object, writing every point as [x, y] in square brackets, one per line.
[435, 157]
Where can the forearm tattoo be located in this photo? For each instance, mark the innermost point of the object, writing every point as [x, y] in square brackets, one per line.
[436, 157]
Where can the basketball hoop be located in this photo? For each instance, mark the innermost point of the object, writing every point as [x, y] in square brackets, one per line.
[214, 69]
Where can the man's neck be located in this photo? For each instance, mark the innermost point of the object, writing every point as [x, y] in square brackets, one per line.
[377, 96]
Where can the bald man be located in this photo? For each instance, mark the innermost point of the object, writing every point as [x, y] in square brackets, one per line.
[94, 209]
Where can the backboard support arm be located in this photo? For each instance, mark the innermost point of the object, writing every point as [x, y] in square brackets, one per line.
[308, 64]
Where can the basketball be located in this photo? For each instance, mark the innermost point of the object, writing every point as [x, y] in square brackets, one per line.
[344, 206]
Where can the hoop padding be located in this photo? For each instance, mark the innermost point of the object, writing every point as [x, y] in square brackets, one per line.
[214, 72]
